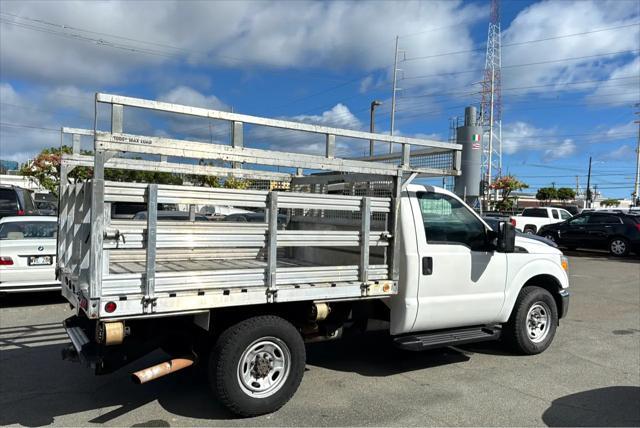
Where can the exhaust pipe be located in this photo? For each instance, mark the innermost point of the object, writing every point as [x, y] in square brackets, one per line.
[159, 370]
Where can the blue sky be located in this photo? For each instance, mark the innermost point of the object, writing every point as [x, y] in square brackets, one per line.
[571, 72]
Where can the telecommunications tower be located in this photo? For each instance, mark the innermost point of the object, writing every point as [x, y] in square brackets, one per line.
[491, 104]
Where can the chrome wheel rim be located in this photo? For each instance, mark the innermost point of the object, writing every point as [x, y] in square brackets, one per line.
[618, 246]
[264, 367]
[529, 231]
[538, 319]
[550, 237]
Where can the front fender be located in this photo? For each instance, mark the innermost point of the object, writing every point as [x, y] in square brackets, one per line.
[538, 267]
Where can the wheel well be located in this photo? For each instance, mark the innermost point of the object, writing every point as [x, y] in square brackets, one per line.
[530, 226]
[549, 283]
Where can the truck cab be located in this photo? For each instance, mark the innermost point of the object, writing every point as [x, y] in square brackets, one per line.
[453, 275]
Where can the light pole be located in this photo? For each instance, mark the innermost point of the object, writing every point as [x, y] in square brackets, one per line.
[372, 123]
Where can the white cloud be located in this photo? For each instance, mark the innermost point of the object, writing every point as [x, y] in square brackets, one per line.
[143, 36]
[366, 84]
[190, 97]
[622, 86]
[623, 152]
[303, 142]
[561, 150]
[557, 18]
[521, 136]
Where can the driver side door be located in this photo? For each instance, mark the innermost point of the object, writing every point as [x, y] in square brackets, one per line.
[462, 281]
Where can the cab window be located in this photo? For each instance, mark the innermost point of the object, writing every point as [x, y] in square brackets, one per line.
[555, 214]
[565, 215]
[448, 221]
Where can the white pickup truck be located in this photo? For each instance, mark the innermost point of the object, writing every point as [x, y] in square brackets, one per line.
[359, 243]
[532, 219]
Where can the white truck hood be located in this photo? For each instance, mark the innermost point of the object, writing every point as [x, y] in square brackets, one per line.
[535, 247]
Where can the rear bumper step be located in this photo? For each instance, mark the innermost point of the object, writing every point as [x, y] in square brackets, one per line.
[441, 338]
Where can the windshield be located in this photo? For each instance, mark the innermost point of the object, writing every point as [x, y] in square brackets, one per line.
[28, 230]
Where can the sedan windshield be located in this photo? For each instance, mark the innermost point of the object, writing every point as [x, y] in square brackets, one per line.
[28, 230]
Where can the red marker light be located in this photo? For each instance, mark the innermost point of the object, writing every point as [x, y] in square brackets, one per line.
[110, 307]
[6, 261]
[20, 212]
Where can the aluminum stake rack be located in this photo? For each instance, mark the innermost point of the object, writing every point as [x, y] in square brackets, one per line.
[158, 268]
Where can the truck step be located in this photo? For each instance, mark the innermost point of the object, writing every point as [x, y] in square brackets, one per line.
[441, 338]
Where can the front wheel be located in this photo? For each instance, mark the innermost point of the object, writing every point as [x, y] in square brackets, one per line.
[257, 365]
[532, 325]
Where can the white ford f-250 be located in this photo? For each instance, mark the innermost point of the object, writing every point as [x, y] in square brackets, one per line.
[532, 219]
[334, 251]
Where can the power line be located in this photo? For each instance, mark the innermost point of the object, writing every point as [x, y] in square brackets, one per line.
[21, 125]
[523, 65]
[530, 87]
[480, 49]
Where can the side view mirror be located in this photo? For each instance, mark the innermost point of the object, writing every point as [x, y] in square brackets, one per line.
[506, 239]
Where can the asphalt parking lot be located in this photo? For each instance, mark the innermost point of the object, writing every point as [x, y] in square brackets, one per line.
[589, 376]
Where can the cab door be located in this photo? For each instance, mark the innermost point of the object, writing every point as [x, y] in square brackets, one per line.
[461, 281]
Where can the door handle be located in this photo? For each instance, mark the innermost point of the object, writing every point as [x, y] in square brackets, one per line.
[427, 265]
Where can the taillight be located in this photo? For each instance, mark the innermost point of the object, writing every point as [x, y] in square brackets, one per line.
[20, 212]
[6, 261]
[110, 307]
[638, 226]
[512, 221]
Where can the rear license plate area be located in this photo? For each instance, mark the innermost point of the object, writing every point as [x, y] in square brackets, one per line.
[39, 260]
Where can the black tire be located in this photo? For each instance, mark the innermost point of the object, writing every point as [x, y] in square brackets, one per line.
[530, 229]
[224, 364]
[516, 332]
[619, 246]
[550, 236]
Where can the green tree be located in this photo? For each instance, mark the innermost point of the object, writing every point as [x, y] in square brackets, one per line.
[236, 183]
[610, 202]
[506, 185]
[44, 170]
[547, 194]
[566, 194]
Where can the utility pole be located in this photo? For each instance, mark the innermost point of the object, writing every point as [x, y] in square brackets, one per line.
[393, 93]
[636, 186]
[577, 185]
[372, 123]
[588, 194]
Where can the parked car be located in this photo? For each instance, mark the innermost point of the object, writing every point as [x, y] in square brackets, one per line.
[221, 211]
[494, 223]
[171, 216]
[128, 210]
[617, 232]
[27, 253]
[16, 201]
[532, 219]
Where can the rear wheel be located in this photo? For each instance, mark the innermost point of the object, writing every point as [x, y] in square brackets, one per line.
[550, 236]
[532, 325]
[531, 230]
[257, 365]
[619, 247]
